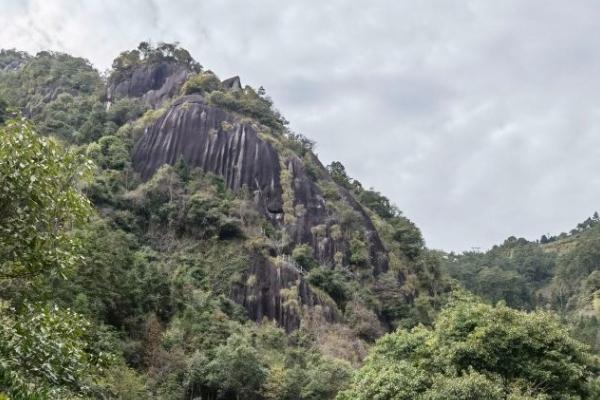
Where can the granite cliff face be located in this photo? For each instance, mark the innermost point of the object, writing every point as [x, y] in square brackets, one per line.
[153, 83]
[279, 292]
[229, 146]
[211, 139]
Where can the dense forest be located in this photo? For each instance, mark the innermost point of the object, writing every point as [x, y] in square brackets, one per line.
[165, 235]
[558, 273]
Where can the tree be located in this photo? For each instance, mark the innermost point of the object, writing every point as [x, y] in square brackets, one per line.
[236, 369]
[39, 203]
[183, 169]
[477, 351]
[408, 236]
[3, 110]
[338, 174]
[379, 203]
[44, 351]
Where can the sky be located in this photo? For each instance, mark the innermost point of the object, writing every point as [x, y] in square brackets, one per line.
[478, 119]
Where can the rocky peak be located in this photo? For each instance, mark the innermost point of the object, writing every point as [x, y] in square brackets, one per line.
[152, 82]
[201, 130]
[232, 84]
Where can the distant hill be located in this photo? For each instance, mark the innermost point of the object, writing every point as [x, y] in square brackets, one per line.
[560, 273]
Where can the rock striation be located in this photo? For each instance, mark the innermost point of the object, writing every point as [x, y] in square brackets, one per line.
[279, 292]
[222, 143]
[211, 139]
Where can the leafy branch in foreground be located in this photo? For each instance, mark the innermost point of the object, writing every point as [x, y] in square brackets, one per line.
[40, 202]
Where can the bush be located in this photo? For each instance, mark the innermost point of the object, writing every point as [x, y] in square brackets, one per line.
[303, 255]
[44, 352]
[378, 203]
[248, 102]
[359, 253]
[110, 152]
[408, 236]
[332, 282]
[3, 110]
[204, 82]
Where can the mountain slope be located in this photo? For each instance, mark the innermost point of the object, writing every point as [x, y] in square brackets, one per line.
[560, 273]
[218, 233]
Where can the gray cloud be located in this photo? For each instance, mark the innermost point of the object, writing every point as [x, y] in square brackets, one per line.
[479, 119]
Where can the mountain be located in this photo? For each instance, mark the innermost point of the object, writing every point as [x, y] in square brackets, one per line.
[164, 234]
[210, 211]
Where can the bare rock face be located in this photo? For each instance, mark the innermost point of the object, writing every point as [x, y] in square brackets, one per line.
[211, 139]
[279, 293]
[232, 84]
[216, 141]
[153, 83]
[313, 224]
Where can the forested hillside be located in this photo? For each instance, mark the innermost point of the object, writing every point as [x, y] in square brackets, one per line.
[559, 273]
[164, 234]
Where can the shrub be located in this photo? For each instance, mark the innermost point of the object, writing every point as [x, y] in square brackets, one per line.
[204, 82]
[359, 254]
[303, 255]
[332, 282]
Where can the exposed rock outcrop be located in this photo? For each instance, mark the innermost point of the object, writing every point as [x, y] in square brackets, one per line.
[279, 293]
[232, 84]
[314, 221]
[212, 139]
[153, 82]
[219, 142]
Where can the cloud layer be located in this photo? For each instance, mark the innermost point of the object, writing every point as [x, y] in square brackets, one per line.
[479, 119]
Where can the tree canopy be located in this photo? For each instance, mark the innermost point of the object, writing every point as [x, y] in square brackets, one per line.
[478, 351]
[40, 202]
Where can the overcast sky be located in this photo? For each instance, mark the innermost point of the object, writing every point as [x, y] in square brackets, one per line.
[479, 119]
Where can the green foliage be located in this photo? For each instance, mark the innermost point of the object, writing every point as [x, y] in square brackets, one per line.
[247, 102]
[236, 369]
[200, 208]
[203, 82]
[183, 170]
[408, 236]
[146, 53]
[512, 272]
[40, 79]
[332, 282]
[303, 255]
[63, 96]
[163, 260]
[300, 144]
[359, 253]
[59, 92]
[3, 110]
[119, 282]
[44, 353]
[39, 203]
[125, 110]
[110, 152]
[469, 386]
[337, 171]
[378, 203]
[12, 59]
[477, 351]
